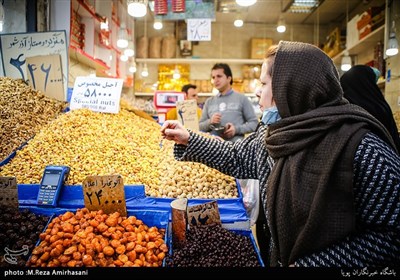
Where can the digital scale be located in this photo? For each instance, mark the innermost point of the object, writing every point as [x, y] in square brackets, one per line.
[165, 100]
[53, 179]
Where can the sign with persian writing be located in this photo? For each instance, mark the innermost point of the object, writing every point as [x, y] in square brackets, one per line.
[199, 29]
[105, 193]
[8, 192]
[45, 74]
[187, 114]
[17, 47]
[203, 214]
[96, 94]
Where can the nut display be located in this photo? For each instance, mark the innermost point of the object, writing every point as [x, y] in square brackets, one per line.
[214, 246]
[19, 231]
[92, 143]
[23, 112]
[93, 238]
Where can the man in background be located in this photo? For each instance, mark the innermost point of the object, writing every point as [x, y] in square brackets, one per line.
[228, 109]
[191, 93]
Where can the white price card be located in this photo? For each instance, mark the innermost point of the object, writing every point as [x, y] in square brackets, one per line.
[96, 94]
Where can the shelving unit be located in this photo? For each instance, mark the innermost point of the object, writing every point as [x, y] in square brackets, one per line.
[198, 60]
[202, 94]
[364, 44]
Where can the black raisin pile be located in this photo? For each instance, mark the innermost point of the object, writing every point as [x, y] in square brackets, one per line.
[18, 230]
[214, 246]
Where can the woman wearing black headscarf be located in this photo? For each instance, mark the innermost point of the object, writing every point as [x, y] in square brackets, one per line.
[360, 88]
[328, 170]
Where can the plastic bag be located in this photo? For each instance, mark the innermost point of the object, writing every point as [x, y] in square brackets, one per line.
[251, 198]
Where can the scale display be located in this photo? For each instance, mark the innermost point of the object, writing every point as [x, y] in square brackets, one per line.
[52, 181]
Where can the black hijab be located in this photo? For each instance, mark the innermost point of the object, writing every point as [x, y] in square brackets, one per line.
[360, 88]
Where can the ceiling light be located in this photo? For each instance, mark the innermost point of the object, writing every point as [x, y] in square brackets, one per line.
[246, 3]
[137, 8]
[238, 22]
[122, 41]
[123, 58]
[129, 51]
[392, 44]
[157, 24]
[303, 6]
[132, 68]
[177, 73]
[145, 71]
[346, 62]
[281, 27]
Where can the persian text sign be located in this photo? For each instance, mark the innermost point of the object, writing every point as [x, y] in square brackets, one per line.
[199, 29]
[96, 94]
[16, 48]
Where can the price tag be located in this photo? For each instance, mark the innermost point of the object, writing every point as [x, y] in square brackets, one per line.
[203, 214]
[8, 192]
[45, 73]
[105, 193]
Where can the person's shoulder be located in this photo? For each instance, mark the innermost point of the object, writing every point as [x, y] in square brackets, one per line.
[371, 144]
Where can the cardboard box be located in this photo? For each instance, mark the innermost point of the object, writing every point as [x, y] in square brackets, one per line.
[259, 46]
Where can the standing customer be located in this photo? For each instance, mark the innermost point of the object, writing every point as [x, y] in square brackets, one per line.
[228, 108]
[191, 93]
[360, 88]
[329, 173]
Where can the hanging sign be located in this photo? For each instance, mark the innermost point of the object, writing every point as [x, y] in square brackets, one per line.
[16, 48]
[105, 193]
[45, 74]
[8, 192]
[199, 29]
[187, 114]
[96, 94]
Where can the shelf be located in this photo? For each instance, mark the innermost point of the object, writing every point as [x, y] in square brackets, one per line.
[202, 94]
[86, 59]
[364, 44]
[84, 11]
[197, 60]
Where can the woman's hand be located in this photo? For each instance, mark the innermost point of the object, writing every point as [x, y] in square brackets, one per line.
[175, 131]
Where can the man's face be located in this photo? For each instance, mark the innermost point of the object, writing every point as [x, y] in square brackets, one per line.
[220, 80]
[192, 94]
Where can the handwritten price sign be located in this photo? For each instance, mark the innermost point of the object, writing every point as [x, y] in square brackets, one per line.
[17, 48]
[203, 214]
[8, 191]
[97, 94]
[105, 193]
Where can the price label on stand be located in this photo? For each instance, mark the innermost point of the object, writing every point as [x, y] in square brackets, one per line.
[203, 214]
[8, 192]
[105, 193]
